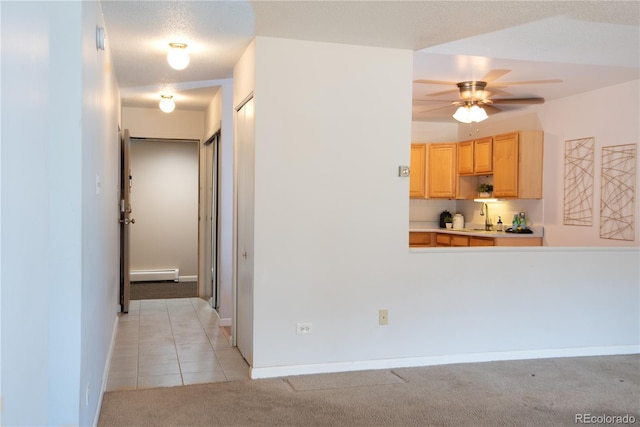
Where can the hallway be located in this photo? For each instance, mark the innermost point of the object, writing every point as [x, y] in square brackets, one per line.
[172, 342]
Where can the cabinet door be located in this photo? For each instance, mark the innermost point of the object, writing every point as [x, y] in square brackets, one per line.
[483, 155]
[443, 240]
[459, 240]
[465, 158]
[481, 241]
[419, 238]
[505, 165]
[442, 170]
[417, 182]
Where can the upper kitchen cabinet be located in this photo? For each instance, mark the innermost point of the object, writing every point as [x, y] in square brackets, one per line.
[417, 176]
[442, 170]
[475, 157]
[517, 165]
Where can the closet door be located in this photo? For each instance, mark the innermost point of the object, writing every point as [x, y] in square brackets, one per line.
[244, 245]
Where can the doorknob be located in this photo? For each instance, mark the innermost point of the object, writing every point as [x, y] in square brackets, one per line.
[127, 221]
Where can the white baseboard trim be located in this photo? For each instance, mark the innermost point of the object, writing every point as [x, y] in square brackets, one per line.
[225, 322]
[187, 278]
[107, 368]
[323, 368]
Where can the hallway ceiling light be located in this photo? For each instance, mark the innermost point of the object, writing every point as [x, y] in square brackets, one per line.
[178, 57]
[167, 104]
[470, 112]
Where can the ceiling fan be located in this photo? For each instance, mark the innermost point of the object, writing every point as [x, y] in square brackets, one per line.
[475, 102]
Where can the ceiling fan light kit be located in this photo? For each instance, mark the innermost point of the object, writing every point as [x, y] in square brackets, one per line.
[475, 102]
[470, 113]
[167, 104]
[178, 56]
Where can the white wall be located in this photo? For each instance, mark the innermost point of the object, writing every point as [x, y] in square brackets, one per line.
[610, 115]
[59, 278]
[220, 113]
[331, 241]
[164, 199]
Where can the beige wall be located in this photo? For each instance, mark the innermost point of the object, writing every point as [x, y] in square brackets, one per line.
[164, 196]
[153, 123]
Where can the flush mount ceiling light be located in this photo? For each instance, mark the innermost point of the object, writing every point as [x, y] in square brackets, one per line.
[167, 104]
[178, 57]
[470, 112]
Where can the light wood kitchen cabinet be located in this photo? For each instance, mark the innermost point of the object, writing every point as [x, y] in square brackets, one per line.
[443, 239]
[417, 176]
[455, 240]
[481, 241]
[475, 157]
[459, 240]
[420, 239]
[517, 165]
[441, 170]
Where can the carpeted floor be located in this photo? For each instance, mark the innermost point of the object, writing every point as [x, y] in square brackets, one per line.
[163, 290]
[541, 392]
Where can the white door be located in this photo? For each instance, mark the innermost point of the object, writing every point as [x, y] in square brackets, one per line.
[244, 244]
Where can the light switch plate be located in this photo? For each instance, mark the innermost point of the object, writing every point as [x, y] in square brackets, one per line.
[403, 171]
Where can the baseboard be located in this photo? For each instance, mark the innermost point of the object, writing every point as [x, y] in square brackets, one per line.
[323, 368]
[187, 278]
[105, 374]
[225, 322]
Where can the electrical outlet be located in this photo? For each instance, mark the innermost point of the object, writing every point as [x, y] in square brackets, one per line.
[304, 328]
[383, 317]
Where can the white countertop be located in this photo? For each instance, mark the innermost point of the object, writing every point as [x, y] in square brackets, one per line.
[427, 226]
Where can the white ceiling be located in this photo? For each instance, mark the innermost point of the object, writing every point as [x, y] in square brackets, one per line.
[586, 45]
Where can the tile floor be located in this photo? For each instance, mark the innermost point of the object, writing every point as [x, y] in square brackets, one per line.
[170, 342]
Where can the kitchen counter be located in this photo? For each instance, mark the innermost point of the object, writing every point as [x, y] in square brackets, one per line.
[473, 230]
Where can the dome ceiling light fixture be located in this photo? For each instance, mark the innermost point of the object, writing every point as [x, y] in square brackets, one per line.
[167, 104]
[178, 56]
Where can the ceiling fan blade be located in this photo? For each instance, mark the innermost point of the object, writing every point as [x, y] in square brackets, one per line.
[529, 82]
[518, 101]
[444, 92]
[437, 108]
[432, 101]
[494, 75]
[494, 91]
[490, 109]
[435, 82]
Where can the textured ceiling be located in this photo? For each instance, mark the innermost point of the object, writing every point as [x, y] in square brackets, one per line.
[585, 44]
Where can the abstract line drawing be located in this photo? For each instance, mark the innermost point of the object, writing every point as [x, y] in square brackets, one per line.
[617, 192]
[578, 182]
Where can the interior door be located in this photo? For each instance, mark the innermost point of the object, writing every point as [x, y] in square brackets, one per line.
[243, 326]
[125, 221]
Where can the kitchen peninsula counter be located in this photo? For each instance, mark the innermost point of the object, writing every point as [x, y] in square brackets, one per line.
[432, 227]
[429, 234]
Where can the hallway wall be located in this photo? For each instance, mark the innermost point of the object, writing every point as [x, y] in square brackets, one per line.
[59, 277]
[164, 199]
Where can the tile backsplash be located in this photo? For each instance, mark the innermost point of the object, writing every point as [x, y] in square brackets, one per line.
[430, 209]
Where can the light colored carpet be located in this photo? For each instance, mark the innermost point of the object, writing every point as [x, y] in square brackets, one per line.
[543, 392]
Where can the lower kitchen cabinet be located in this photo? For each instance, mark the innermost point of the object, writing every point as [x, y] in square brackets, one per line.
[481, 241]
[419, 239]
[455, 240]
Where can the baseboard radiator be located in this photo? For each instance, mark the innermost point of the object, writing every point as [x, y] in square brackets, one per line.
[171, 274]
